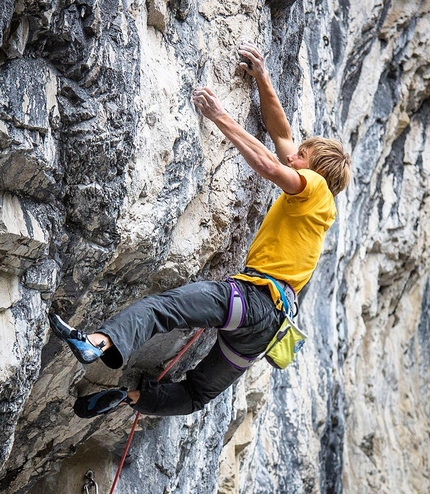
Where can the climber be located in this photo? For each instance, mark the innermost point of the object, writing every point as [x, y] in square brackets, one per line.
[287, 247]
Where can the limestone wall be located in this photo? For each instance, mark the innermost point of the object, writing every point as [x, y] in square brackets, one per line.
[113, 187]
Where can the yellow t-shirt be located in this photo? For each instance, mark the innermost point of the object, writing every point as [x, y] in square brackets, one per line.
[290, 240]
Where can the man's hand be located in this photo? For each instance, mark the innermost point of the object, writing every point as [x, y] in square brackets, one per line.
[208, 103]
[255, 67]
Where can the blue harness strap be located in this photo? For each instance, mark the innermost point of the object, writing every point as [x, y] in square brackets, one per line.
[287, 308]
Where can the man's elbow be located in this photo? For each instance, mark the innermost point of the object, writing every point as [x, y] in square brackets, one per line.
[262, 161]
[269, 169]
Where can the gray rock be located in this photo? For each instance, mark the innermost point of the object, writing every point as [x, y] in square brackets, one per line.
[112, 187]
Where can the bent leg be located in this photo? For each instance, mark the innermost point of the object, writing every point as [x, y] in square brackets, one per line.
[201, 304]
[214, 373]
[211, 377]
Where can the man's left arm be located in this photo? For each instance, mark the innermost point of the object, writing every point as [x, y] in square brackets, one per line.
[258, 157]
[273, 114]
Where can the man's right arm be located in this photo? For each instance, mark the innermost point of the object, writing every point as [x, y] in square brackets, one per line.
[258, 157]
[274, 117]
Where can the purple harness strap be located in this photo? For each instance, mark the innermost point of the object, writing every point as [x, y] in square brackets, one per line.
[236, 311]
[233, 357]
[235, 318]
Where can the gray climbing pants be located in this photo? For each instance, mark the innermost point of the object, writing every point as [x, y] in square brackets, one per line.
[200, 304]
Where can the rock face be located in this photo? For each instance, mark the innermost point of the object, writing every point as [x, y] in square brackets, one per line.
[113, 187]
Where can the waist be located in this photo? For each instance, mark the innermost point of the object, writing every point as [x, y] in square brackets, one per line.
[284, 285]
[261, 280]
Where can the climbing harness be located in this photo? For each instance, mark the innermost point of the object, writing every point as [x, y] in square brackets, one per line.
[235, 318]
[233, 357]
[287, 295]
[280, 352]
[287, 341]
[236, 311]
[90, 483]
[136, 418]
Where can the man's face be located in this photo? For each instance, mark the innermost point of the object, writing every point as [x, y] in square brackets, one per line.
[300, 159]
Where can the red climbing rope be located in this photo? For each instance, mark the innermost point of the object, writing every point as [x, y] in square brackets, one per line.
[136, 418]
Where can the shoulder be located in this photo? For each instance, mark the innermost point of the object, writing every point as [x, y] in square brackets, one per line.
[315, 183]
[312, 176]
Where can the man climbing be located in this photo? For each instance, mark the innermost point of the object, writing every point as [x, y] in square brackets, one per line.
[246, 308]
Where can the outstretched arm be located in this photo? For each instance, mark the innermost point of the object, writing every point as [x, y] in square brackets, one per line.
[271, 110]
[258, 157]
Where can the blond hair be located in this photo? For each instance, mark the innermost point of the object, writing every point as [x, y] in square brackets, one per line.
[328, 158]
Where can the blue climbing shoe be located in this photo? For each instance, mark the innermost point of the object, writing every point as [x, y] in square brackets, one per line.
[95, 404]
[77, 340]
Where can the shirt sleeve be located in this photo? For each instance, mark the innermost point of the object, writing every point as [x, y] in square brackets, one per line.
[313, 181]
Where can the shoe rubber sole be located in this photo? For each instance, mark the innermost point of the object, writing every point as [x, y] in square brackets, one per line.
[83, 350]
[90, 406]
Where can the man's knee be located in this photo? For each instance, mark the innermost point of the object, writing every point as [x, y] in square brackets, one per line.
[201, 395]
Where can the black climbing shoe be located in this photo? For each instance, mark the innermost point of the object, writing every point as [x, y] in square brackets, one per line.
[77, 340]
[95, 404]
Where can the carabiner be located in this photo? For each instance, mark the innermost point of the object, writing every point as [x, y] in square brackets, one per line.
[90, 483]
